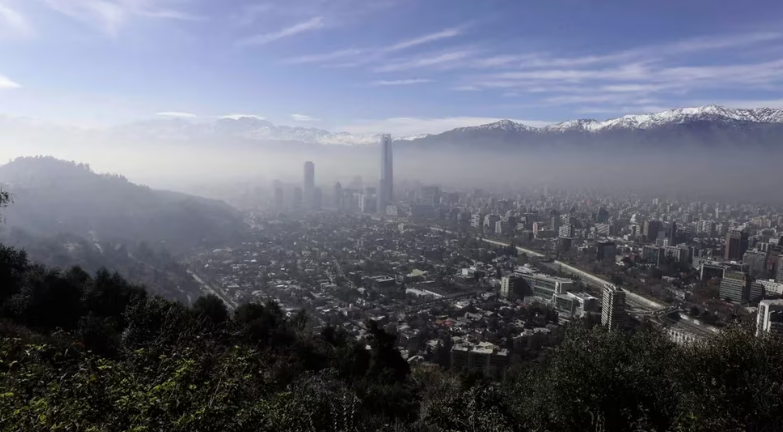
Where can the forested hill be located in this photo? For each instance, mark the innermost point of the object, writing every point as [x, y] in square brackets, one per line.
[81, 352]
[53, 197]
[160, 271]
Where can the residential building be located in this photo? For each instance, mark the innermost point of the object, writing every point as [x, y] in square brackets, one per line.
[483, 357]
[613, 307]
[769, 320]
[490, 221]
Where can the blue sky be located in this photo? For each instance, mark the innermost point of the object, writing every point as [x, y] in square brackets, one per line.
[402, 66]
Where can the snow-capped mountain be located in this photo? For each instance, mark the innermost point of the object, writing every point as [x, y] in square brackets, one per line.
[706, 125]
[645, 121]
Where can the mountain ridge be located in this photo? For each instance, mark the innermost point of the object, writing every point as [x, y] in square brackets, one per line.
[251, 130]
[53, 196]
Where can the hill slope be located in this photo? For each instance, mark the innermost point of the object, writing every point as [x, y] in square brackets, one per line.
[53, 196]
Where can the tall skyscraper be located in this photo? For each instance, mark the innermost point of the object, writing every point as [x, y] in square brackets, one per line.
[386, 184]
[613, 307]
[672, 234]
[736, 245]
[309, 184]
[651, 229]
[279, 197]
[338, 196]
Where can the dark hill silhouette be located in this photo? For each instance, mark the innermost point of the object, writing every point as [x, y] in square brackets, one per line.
[52, 196]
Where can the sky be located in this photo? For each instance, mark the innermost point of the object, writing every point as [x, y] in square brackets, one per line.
[398, 66]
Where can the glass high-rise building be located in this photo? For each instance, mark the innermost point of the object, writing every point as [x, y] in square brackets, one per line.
[386, 184]
[309, 184]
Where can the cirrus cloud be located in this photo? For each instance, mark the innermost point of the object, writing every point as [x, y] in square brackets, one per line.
[177, 114]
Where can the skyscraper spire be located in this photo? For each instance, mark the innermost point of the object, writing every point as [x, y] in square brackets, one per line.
[386, 184]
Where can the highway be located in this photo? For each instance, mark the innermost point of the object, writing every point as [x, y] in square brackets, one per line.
[636, 303]
[207, 287]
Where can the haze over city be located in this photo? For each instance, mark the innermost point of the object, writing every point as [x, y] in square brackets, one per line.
[391, 215]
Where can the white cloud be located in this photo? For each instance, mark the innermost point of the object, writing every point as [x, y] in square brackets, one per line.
[15, 22]
[403, 82]
[425, 61]
[239, 116]
[176, 114]
[112, 15]
[7, 83]
[421, 40]
[408, 126]
[322, 58]
[762, 103]
[304, 118]
[638, 79]
[302, 27]
[374, 55]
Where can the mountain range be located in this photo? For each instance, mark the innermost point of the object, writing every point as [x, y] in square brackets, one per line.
[707, 125]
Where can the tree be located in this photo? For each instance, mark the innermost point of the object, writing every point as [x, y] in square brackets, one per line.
[212, 308]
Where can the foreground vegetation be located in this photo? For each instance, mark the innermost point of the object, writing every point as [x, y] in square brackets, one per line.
[81, 352]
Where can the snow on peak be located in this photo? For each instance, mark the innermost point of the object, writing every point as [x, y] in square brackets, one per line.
[673, 116]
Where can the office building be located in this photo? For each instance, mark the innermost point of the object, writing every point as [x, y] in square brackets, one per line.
[739, 287]
[490, 221]
[386, 184]
[651, 229]
[338, 196]
[512, 287]
[309, 183]
[564, 244]
[279, 202]
[652, 255]
[541, 285]
[779, 267]
[756, 261]
[606, 251]
[613, 307]
[566, 230]
[672, 234]
[679, 254]
[736, 245]
[770, 318]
